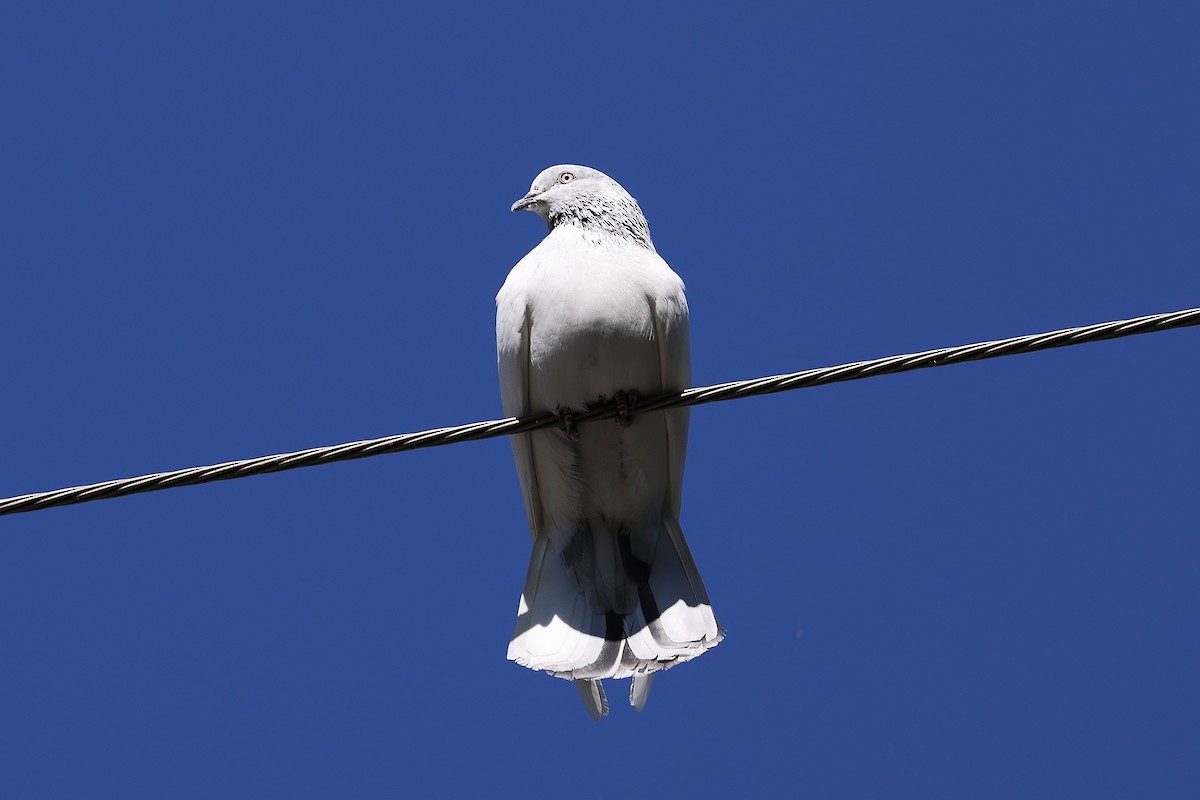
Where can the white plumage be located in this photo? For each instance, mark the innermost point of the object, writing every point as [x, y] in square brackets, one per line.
[612, 591]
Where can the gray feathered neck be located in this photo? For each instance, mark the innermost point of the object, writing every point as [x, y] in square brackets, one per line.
[607, 213]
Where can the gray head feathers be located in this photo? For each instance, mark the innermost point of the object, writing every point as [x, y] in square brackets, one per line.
[570, 194]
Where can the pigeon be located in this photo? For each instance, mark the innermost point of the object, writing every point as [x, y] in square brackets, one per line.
[593, 315]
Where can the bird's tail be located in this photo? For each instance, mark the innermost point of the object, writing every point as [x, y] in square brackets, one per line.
[612, 601]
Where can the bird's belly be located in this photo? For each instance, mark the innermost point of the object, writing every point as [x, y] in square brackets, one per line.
[576, 371]
[620, 473]
[588, 348]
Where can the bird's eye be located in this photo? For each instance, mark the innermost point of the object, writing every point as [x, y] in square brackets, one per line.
[566, 177]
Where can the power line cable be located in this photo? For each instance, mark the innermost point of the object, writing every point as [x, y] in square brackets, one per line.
[688, 397]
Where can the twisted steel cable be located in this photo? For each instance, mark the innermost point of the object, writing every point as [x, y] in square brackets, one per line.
[502, 427]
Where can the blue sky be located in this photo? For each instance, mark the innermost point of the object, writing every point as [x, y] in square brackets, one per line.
[236, 229]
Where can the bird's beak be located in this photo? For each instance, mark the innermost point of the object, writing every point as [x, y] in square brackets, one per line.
[525, 202]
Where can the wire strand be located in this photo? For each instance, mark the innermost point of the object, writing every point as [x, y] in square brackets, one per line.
[688, 397]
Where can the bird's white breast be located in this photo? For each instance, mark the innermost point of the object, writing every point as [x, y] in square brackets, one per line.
[589, 299]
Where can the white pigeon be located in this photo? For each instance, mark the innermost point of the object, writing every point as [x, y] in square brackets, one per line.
[593, 313]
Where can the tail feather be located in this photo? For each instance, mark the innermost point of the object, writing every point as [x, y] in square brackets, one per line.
[674, 631]
[639, 690]
[593, 698]
[553, 642]
[564, 628]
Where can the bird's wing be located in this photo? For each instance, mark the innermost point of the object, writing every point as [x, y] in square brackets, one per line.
[671, 330]
[512, 327]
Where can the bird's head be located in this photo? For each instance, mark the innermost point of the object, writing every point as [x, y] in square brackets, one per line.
[586, 197]
[559, 188]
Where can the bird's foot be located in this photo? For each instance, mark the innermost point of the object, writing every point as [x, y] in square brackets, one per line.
[626, 403]
[566, 423]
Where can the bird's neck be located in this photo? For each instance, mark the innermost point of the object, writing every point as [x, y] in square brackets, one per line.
[618, 216]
